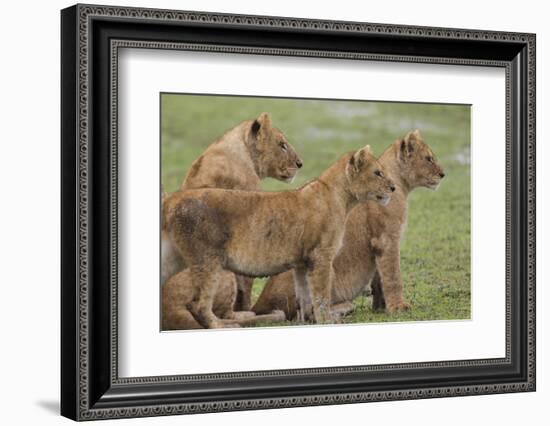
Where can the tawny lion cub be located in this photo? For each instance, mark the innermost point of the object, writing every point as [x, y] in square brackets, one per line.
[265, 233]
[371, 245]
[243, 156]
[240, 159]
[177, 294]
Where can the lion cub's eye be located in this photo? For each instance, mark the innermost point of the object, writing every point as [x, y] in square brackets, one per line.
[378, 173]
[282, 145]
[430, 159]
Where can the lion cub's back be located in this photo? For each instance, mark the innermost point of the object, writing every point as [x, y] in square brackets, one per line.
[238, 224]
[206, 217]
[193, 221]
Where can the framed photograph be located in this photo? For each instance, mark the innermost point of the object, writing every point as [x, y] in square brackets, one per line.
[263, 212]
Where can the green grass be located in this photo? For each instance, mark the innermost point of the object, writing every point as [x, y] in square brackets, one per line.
[435, 251]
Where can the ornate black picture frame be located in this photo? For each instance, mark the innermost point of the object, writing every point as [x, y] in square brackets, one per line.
[91, 36]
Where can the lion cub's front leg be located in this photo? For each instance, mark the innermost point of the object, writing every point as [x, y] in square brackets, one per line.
[388, 266]
[319, 278]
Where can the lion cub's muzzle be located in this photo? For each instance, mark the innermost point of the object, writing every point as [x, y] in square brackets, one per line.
[288, 173]
[433, 184]
[384, 199]
[384, 195]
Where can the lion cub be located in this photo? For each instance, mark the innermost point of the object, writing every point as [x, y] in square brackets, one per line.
[240, 159]
[265, 233]
[371, 244]
[178, 293]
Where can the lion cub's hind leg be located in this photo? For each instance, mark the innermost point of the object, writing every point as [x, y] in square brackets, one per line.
[176, 293]
[199, 235]
[179, 319]
[207, 279]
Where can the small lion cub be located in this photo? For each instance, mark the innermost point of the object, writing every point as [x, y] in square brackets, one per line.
[370, 252]
[265, 233]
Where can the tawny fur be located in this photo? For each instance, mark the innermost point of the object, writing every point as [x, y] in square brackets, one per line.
[240, 159]
[243, 156]
[371, 245]
[178, 292]
[265, 233]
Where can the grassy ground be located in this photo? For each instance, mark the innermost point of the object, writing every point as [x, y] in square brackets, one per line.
[435, 253]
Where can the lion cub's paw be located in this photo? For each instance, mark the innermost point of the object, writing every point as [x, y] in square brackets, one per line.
[326, 317]
[278, 315]
[243, 315]
[398, 307]
[224, 323]
[336, 319]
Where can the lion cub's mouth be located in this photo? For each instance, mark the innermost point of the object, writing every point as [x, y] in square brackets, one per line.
[288, 175]
[383, 199]
[433, 185]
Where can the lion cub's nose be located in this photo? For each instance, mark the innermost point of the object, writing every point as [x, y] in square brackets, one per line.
[392, 188]
[299, 164]
[441, 175]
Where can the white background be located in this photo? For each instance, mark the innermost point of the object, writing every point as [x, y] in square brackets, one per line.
[146, 352]
[29, 229]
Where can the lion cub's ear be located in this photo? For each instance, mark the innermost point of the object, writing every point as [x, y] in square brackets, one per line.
[360, 158]
[409, 143]
[261, 127]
